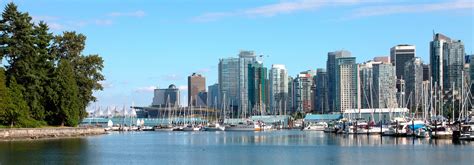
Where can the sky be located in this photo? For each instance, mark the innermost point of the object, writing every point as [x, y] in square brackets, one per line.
[152, 44]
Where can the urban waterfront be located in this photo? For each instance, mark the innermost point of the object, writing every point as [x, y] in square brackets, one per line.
[267, 147]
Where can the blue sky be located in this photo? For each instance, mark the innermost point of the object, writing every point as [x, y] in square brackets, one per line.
[147, 44]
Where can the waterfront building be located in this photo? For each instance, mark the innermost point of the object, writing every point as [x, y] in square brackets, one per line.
[399, 55]
[366, 87]
[278, 89]
[166, 97]
[257, 87]
[213, 96]
[331, 67]
[245, 59]
[303, 91]
[346, 84]
[321, 91]
[384, 80]
[414, 82]
[233, 82]
[228, 75]
[447, 62]
[291, 96]
[197, 95]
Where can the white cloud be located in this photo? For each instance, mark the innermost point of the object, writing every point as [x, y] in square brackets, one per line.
[283, 7]
[138, 13]
[103, 22]
[55, 26]
[412, 8]
[370, 8]
[145, 89]
[38, 18]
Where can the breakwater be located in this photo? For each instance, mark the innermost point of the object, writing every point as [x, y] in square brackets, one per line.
[41, 133]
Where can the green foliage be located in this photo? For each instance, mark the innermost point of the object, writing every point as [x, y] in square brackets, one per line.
[66, 104]
[87, 69]
[16, 111]
[50, 74]
[3, 94]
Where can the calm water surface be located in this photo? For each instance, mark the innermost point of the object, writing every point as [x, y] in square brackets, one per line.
[275, 147]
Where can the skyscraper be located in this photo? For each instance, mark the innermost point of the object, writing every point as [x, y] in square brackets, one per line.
[196, 90]
[331, 67]
[414, 82]
[384, 80]
[321, 91]
[233, 82]
[346, 83]
[447, 61]
[245, 59]
[278, 89]
[399, 55]
[229, 84]
[213, 96]
[366, 84]
[303, 92]
[291, 96]
[257, 89]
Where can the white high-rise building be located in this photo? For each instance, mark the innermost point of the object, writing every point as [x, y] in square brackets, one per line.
[278, 89]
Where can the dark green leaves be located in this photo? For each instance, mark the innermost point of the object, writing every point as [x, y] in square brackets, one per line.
[48, 73]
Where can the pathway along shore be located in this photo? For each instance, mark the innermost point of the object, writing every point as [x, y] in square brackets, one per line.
[9, 134]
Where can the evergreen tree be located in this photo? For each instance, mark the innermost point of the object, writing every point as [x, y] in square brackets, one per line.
[16, 110]
[20, 45]
[87, 69]
[47, 74]
[3, 94]
[67, 106]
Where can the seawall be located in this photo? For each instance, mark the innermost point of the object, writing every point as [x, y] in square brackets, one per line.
[41, 133]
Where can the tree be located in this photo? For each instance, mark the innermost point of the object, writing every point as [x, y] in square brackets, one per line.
[67, 109]
[87, 69]
[48, 73]
[3, 94]
[24, 45]
[16, 111]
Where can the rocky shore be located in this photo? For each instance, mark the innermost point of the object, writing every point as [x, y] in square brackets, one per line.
[8, 134]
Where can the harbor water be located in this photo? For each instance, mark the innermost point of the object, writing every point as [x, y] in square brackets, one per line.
[269, 147]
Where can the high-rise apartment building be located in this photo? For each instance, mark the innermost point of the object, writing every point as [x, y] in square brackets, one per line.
[384, 80]
[278, 89]
[331, 67]
[346, 84]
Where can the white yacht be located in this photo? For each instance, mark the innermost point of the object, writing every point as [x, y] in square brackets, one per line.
[249, 126]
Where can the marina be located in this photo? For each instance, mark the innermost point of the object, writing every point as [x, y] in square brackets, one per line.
[223, 147]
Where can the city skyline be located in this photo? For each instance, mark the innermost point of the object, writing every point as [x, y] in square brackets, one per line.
[167, 49]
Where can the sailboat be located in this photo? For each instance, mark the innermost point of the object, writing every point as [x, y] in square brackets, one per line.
[215, 126]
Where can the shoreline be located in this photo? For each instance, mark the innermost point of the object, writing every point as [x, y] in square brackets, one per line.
[20, 134]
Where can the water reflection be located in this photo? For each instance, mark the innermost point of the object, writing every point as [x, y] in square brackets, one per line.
[272, 147]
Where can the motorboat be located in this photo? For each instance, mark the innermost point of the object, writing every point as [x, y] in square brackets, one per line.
[241, 126]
